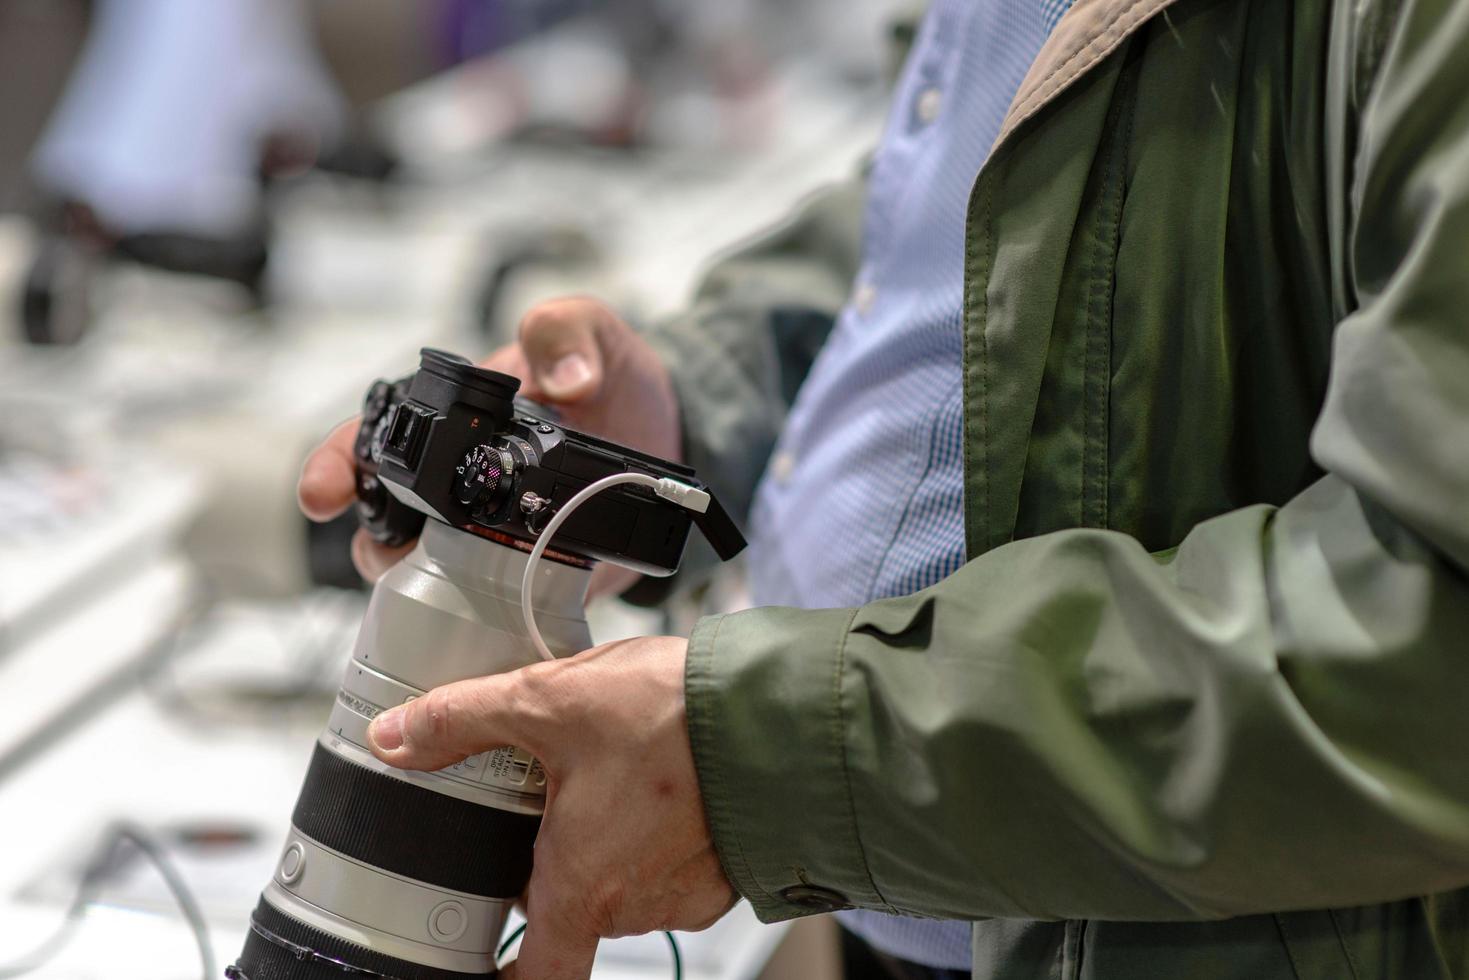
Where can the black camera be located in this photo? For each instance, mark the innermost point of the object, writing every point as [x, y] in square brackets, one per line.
[454, 442]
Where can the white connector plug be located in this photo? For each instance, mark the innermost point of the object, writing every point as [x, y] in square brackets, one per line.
[687, 497]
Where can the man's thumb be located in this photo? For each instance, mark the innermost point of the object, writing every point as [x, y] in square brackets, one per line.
[448, 724]
[561, 348]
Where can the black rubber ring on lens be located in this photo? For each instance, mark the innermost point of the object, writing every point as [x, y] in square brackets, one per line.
[414, 832]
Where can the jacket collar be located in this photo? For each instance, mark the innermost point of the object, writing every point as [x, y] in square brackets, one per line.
[1088, 33]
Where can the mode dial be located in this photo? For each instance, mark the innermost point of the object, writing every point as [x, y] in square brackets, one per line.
[482, 474]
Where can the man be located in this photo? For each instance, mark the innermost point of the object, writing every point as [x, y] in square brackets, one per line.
[1193, 704]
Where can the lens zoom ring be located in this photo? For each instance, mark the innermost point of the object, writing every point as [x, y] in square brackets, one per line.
[415, 832]
[263, 959]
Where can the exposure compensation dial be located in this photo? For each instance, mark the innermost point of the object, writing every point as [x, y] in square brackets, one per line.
[484, 475]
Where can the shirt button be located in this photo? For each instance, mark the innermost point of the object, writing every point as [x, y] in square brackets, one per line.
[782, 464]
[814, 898]
[864, 297]
[930, 100]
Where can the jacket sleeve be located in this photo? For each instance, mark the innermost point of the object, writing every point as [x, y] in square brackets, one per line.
[740, 353]
[1272, 716]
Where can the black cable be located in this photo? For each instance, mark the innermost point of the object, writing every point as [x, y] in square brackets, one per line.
[520, 931]
[47, 950]
[94, 875]
[677, 959]
[510, 941]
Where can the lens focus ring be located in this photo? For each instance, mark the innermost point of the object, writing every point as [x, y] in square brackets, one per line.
[415, 832]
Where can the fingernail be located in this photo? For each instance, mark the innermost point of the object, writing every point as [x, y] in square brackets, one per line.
[567, 374]
[386, 730]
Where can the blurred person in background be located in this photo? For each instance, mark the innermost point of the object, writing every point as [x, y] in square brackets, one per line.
[1108, 516]
[173, 116]
[177, 115]
[171, 106]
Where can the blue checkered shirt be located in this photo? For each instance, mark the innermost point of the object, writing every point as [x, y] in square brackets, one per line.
[864, 495]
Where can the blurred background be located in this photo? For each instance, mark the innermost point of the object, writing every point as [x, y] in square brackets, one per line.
[219, 221]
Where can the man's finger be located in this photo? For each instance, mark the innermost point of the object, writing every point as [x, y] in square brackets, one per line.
[509, 359]
[328, 482]
[553, 952]
[455, 721]
[371, 558]
[559, 339]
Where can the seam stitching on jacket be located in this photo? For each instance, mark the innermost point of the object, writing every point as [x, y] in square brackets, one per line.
[973, 284]
[1107, 32]
[1113, 33]
[839, 733]
[1132, 87]
[965, 388]
[987, 457]
[1094, 315]
[1290, 954]
[1103, 33]
[1346, 950]
[1096, 394]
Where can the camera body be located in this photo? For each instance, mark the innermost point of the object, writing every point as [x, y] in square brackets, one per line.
[453, 443]
[410, 875]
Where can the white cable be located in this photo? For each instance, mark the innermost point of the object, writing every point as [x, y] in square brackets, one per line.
[690, 498]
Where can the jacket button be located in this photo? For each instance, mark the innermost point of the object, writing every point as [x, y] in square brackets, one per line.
[815, 899]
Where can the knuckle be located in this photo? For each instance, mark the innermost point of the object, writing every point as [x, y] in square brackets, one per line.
[549, 314]
[536, 319]
[543, 692]
[436, 715]
[505, 360]
[532, 687]
[555, 325]
[710, 912]
[592, 910]
[601, 907]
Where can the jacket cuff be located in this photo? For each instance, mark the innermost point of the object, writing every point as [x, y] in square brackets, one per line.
[768, 732]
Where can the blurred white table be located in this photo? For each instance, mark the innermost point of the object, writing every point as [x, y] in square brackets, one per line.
[72, 533]
[142, 762]
[90, 584]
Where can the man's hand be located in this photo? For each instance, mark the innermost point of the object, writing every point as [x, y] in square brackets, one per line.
[624, 848]
[575, 354]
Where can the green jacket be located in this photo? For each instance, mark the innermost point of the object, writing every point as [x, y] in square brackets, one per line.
[1198, 704]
